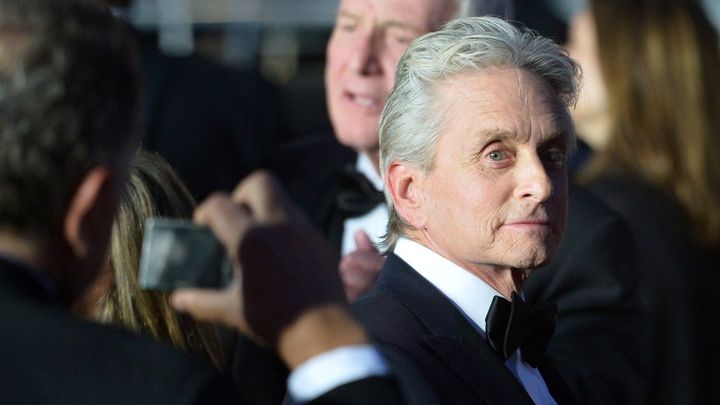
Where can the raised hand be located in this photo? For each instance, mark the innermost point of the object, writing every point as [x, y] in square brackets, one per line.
[360, 269]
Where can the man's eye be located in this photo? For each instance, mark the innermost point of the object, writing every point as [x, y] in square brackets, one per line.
[497, 155]
[347, 27]
[402, 39]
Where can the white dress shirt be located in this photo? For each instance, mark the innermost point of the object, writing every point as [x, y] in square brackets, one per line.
[326, 371]
[374, 222]
[472, 296]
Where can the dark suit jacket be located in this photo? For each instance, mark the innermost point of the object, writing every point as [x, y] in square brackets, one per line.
[599, 346]
[48, 356]
[679, 285]
[308, 169]
[435, 352]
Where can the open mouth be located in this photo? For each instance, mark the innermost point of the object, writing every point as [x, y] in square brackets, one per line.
[364, 102]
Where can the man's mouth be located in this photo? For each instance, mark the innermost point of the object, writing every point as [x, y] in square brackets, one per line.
[366, 102]
[529, 223]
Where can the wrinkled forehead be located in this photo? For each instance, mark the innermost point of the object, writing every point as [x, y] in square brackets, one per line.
[505, 100]
[419, 15]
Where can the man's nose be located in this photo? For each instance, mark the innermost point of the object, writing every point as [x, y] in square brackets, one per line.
[533, 182]
[366, 55]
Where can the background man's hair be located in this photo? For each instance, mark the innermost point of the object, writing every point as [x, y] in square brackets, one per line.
[68, 101]
[411, 121]
[475, 8]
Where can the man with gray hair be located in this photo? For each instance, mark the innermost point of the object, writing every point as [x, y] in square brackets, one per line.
[474, 141]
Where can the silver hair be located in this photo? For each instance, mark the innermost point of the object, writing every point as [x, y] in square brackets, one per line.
[410, 124]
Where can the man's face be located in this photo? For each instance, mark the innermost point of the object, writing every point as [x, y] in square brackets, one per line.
[497, 193]
[368, 39]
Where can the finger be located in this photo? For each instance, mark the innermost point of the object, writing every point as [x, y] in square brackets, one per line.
[356, 286]
[228, 221]
[263, 195]
[358, 272]
[364, 260]
[351, 294]
[210, 306]
[363, 242]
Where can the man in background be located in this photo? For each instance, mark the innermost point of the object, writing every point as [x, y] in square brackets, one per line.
[336, 180]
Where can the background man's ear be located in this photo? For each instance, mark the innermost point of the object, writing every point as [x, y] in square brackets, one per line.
[405, 186]
[91, 211]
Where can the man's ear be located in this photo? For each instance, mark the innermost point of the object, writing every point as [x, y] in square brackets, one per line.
[91, 211]
[405, 185]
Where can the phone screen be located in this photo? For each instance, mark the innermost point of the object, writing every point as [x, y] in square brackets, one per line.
[178, 253]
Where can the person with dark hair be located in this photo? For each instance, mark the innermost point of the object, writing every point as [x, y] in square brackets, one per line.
[68, 130]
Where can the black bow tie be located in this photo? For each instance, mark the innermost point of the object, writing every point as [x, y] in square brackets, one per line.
[356, 195]
[518, 325]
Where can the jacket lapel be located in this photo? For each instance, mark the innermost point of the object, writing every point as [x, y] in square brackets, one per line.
[452, 337]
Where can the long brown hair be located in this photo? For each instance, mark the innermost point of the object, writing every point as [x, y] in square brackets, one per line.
[152, 189]
[659, 60]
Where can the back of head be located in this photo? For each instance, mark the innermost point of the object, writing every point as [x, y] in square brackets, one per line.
[411, 121]
[68, 102]
[152, 190]
[664, 102]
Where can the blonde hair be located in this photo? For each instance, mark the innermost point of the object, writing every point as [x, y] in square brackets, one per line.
[152, 189]
[659, 59]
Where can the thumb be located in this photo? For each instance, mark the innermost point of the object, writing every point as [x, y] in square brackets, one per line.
[363, 242]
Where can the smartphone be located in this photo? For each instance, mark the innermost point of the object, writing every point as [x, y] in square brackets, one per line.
[178, 253]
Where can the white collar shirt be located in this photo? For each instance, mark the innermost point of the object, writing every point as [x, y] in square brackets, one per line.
[472, 296]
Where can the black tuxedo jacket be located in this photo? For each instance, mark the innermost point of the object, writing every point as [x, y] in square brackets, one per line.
[437, 355]
[309, 169]
[49, 356]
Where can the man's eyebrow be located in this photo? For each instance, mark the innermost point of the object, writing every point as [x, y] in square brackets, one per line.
[559, 136]
[401, 25]
[491, 135]
[348, 14]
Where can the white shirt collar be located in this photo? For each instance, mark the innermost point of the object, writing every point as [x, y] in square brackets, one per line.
[365, 166]
[468, 292]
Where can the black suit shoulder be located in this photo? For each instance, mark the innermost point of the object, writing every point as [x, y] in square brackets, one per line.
[50, 356]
